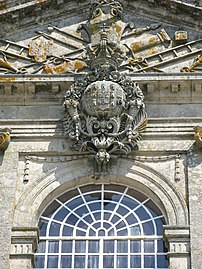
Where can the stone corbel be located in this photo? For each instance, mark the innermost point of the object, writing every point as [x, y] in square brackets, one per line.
[177, 239]
[4, 138]
[24, 242]
[198, 136]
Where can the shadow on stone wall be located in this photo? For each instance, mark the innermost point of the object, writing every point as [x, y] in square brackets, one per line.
[194, 156]
[1, 157]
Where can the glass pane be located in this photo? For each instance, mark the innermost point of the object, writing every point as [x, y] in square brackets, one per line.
[161, 246]
[108, 261]
[39, 261]
[122, 211]
[93, 197]
[66, 262]
[142, 214]
[109, 246]
[120, 225]
[111, 232]
[82, 225]
[51, 209]
[93, 246]
[72, 219]
[159, 225]
[122, 246]
[82, 211]
[106, 225]
[80, 233]
[148, 228]
[41, 247]
[115, 219]
[135, 230]
[135, 261]
[79, 262]
[123, 232]
[122, 261]
[52, 262]
[131, 219]
[80, 246]
[95, 206]
[61, 214]
[116, 197]
[129, 202]
[42, 227]
[93, 261]
[54, 229]
[149, 262]
[53, 246]
[162, 261]
[88, 219]
[66, 246]
[149, 246]
[101, 232]
[67, 231]
[109, 206]
[106, 215]
[75, 203]
[97, 216]
[92, 232]
[135, 246]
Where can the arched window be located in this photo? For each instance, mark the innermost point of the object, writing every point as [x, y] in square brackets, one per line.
[101, 226]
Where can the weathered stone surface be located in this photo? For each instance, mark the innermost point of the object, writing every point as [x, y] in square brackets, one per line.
[39, 163]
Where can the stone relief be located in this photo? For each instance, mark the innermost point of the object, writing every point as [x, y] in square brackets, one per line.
[105, 111]
[40, 47]
[4, 138]
[150, 48]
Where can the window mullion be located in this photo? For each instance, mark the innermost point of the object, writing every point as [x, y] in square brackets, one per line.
[101, 256]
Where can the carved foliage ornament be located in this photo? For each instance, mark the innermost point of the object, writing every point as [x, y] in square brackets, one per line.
[105, 112]
[198, 136]
[4, 138]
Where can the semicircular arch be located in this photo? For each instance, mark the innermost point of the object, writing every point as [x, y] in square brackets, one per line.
[76, 173]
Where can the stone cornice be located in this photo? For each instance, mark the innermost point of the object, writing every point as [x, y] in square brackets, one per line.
[172, 128]
[184, 88]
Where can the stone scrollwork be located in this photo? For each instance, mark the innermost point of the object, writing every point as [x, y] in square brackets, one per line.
[105, 112]
[198, 136]
[4, 138]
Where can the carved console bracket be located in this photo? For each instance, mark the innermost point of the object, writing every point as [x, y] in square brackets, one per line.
[24, 243]
[177, 240]
[4, 138]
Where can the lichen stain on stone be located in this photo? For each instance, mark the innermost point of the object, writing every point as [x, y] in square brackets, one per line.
[135, 46]
[118, 30]
[153, 40]
[3, 5]
[59, 69]
[153, 51]
[7, 79]
[78, 65]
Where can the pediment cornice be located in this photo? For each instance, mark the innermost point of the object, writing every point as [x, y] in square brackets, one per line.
[37, 13]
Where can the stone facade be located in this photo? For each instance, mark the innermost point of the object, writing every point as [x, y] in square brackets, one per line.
[48, 53]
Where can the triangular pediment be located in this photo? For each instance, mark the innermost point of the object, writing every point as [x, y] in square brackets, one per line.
[149, 43]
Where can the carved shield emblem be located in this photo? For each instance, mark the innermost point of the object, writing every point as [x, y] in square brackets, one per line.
[40, 47]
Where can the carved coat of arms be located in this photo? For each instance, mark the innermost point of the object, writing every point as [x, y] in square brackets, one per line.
[105, 112]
